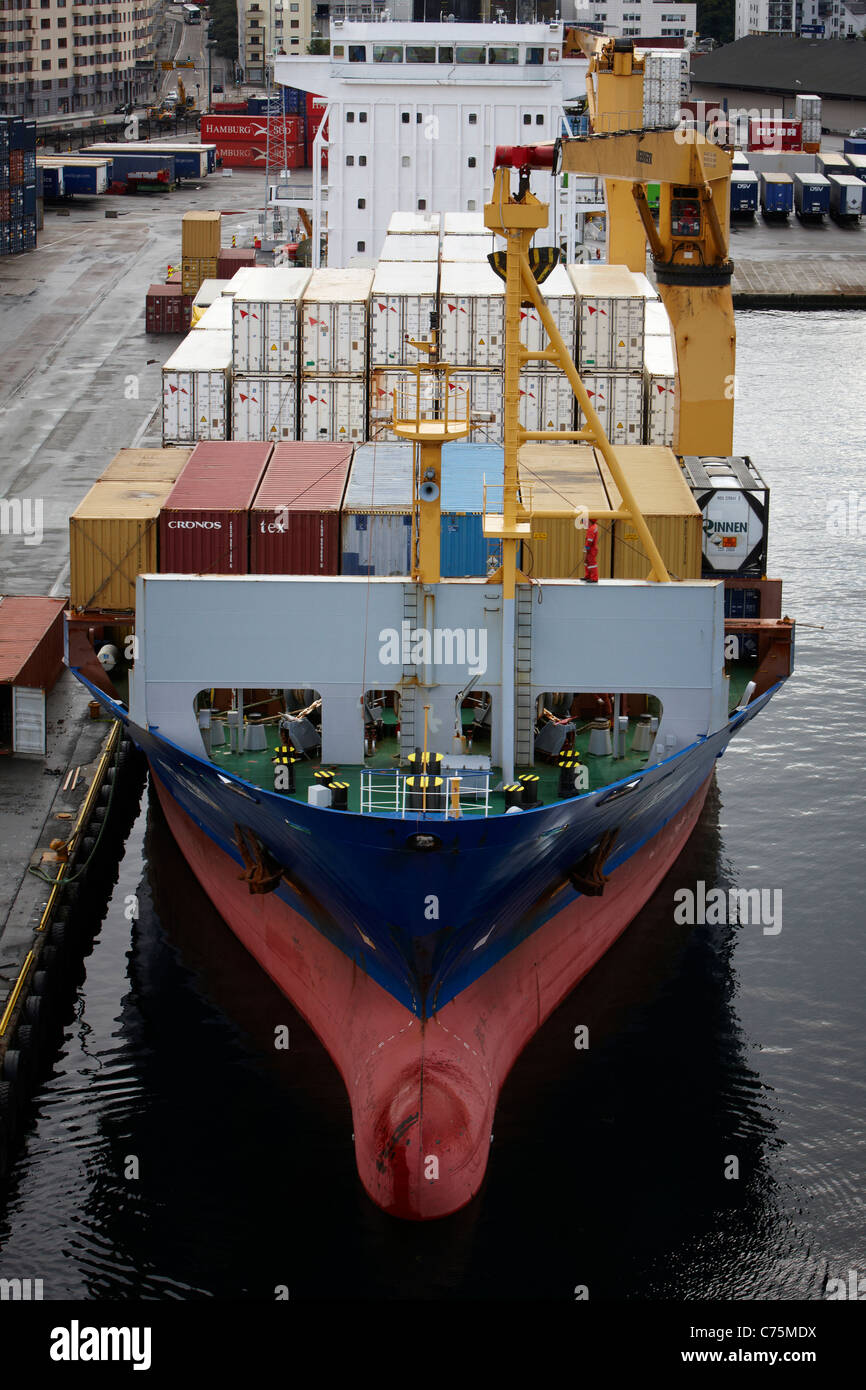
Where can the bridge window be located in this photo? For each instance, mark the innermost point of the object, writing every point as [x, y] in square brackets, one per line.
[357, 53]
[502, 55]
[534, 56]
[446, 54]
[471, 53]
[387, 53]
[420, 53]
[338, 51]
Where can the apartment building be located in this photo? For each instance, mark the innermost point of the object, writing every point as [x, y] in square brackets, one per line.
[266, 27]
[638, 19]
[63, 56]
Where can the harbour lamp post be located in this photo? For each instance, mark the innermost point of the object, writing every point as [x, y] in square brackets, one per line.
[211, 45]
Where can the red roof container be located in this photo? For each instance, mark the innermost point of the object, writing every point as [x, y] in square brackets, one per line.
[31, 641]
[164, 310]
[234, 258]
[243, 129]
[295, 519]
[203, 525]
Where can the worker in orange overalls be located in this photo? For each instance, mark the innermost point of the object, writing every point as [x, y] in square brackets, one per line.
[590, 554]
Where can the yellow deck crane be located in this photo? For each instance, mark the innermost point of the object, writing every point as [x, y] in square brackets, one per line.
[690, 244]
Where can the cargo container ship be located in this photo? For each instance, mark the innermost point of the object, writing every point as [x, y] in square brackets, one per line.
[427, 799]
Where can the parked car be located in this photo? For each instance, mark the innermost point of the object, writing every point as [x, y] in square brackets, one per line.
[859, 133]
[217, 87]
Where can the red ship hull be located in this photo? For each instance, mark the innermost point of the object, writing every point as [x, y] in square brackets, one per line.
[424, 1092]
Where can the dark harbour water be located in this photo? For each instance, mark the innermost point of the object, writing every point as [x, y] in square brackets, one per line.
[607, 1168]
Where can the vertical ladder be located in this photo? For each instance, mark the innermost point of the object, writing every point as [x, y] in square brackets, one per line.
[409, 689]
[524, 708]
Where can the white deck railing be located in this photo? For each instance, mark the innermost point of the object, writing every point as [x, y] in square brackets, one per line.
[383, 793]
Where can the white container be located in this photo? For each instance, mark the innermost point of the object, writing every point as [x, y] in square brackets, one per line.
[402, 299]
[469, 248]
[414, 224]
[546, 401]
[464, 224]
[264, 409]
[471, 315]
[376, 516]
[334, 322]
[618, 399]
[410, 248]
[483, 391]
[265, 319]
[217, 316]
[656, 319]
[560, 299]
[383, 384]
[611, 306]
[208, 291]
[660, 385]
[846, 195]
[334, 408]
[195, 389]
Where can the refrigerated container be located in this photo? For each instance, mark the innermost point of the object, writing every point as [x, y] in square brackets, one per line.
[560, 300]
[334, 408]
[216, 316]
[265, 323]
[414, 224]
[335, 315]
[402, 299]
[735, 502]
[611, 305]
[546, 401]
[660, 386]
[466, 248]
[480, 394]
[264, 408]
[408, 247]
[618, 399]
[195, 389]
[471, 315]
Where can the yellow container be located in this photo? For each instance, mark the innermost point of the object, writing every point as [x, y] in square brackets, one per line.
[561, 479]
[201, 234]
[112, 539]
[194, 270]
[668, 507]
[146, 466]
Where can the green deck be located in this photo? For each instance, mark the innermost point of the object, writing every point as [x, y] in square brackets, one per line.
[258, 768]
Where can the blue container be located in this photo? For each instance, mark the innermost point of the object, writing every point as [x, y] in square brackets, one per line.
[79, 178]
[463, 548]
[29, 201]
[855, 145]
[294, 101]
[777, 194]
[744, 191]
[23, 135]
[52, 181]
[134, 162]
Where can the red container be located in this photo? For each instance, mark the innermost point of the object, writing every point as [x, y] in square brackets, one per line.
[254, 156]
[31, 641]
[295, 519]
[243, 129]
[163, 309]
[234, 258]
[227, 108]
[16, 166]
[775, 135]
[316, 107]
[5, 205]
[203, 524]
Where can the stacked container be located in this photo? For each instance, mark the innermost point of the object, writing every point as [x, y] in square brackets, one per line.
[113, 531]
[414, 224]
[265, 335]
[217, 316]
[17, 185]
[231, 259]
[408, 246]
[777, 195]
[558, 480]
[734, 501]
[662, 89]
[403, 300]
[472, 341]
[196, 389]
[295, 519]
[377, 511]
[611, 311]
[200, 248]
[335, 325]
[846, 197]
[204, 522]
[807, 109]
[463, 548]
[546, 399]
[316, 107]
[669, 510]
[208, 291]
[242, 141]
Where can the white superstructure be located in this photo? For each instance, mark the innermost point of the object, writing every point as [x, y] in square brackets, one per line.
[415, 112]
